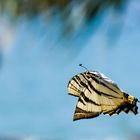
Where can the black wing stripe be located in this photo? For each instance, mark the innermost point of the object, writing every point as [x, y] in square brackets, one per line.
[101, 93]
[88, 100]
[76, 81]
[73, 86]
[82, 114]
[91, 86]
[81, 100]
[98, 92]
[103, 84]
[82, 83]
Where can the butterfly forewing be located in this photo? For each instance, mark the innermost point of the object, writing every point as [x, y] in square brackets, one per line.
[74, 86]
[104, 84]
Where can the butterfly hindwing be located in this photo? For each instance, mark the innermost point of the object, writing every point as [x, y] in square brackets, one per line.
[92, 105]
[86, 107]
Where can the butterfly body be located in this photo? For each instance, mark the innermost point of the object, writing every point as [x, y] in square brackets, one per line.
[98, 94]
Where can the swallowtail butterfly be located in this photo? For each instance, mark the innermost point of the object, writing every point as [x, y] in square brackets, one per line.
[98, 94]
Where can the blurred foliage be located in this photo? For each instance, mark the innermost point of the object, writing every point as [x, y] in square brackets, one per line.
[74, 14]
[30, 7]
[88, 8]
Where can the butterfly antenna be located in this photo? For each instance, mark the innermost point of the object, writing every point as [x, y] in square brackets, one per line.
[83, 67]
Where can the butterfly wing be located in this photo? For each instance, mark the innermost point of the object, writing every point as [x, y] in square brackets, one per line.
[97, 94]
[92, 102]
[78, 86]
[112, 99]
[75, 87]
[87, 107]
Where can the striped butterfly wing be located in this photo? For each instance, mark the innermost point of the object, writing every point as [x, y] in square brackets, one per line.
[97, 94]
[75, 87]
[110, 95]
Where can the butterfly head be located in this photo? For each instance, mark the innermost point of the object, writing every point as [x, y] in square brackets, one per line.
[131, 99]
[133, 103]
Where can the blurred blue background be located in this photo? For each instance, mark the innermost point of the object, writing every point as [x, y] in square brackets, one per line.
[39, 55]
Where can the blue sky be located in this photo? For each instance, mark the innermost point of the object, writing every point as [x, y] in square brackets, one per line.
[37, 67]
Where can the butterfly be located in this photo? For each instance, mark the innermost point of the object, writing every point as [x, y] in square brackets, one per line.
[98, 94]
